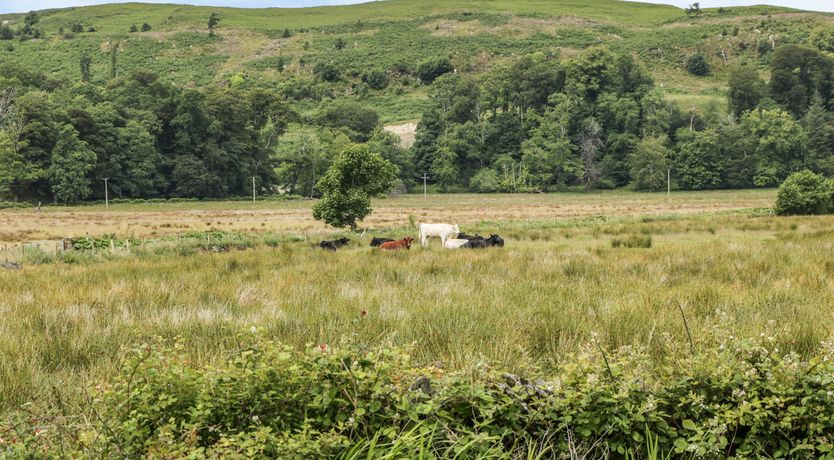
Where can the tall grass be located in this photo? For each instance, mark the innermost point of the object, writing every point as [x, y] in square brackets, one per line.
[524, 306]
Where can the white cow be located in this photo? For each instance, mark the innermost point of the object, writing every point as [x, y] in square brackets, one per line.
[442, 231]
[454, 243]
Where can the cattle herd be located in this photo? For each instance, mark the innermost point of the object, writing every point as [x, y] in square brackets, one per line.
[450, 237]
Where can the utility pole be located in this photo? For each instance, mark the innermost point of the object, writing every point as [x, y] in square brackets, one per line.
[253, 189]
[106, 195]
[668, 181]
[425, 177]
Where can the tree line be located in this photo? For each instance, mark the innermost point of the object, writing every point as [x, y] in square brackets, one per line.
[154, 139]
[597, 121]
[538, 123]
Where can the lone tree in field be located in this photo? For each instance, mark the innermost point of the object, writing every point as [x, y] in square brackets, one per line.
[356, 175]
[213, 20]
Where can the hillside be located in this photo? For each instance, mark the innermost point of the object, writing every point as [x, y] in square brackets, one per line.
[280, 47]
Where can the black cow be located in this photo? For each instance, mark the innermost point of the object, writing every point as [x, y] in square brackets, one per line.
[333, 244]
[493, 240]
[464, 236]
[378, 241]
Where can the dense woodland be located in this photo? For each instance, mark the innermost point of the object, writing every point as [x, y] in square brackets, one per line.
[536, 122]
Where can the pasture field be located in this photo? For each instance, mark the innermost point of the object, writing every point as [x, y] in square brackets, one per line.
[731, 266]
[153, 220]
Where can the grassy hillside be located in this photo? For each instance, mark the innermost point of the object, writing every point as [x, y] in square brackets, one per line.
[250, 44]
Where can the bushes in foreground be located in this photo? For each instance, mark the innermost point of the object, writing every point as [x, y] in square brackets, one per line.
[741, 400]
[805, 193]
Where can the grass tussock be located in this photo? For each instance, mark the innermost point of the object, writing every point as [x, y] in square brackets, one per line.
[633, 241]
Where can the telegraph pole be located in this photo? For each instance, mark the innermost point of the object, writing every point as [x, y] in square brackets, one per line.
[425, 177]
[106, 195]
[253, 189]
[668, 182]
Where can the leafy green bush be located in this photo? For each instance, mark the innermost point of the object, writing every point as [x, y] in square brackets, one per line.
[376, 78]
[697, 65]
[326, 71]
[429, 69]
[742, 399]
[804, 193]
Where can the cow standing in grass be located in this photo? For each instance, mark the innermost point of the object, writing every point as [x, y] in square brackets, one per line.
[442, 231]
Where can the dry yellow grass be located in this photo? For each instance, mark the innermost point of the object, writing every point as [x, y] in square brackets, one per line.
[150, 220]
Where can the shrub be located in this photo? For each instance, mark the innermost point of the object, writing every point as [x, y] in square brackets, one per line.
[485, 181]
[146, 27]
[327, 72]
[428, 70]
[697, 65]
[6, 33]
[375, 78]
[133, 28]
[77, 28]
[804, 193]
[269, 400]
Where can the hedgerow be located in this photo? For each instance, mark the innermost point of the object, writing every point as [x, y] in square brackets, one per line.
[743, 399]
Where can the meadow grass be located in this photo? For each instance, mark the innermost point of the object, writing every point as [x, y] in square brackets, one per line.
[556, 284]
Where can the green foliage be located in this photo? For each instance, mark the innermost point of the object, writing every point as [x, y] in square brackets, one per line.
[84, 64]
[746, 89]
[213, 20]
[818, 124]
[799, 73]
[823, 38]
[803, 193]
[429, 69]
[779, 145]
[134, 29]
[700, 161]
[697, 65]
[326, 71]
[358, 120]
[326, 402]
[375, 78]
[146, 27]
[6, 32]
[355, 176]
[302, 156]
[72, 160]
[485, 181]
[649, 164]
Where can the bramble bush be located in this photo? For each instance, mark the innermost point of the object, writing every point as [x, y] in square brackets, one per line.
[742, 399]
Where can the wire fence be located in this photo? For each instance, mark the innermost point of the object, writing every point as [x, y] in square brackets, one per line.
[16, 252]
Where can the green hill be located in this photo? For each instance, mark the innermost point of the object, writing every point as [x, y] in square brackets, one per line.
[280, 47]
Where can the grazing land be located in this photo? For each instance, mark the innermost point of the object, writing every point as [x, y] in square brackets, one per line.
[725, 259]
[154, 220]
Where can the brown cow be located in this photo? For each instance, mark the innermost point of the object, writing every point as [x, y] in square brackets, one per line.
[395, 245]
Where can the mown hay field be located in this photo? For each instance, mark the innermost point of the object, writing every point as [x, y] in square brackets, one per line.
[154, 220]
[557, 286]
